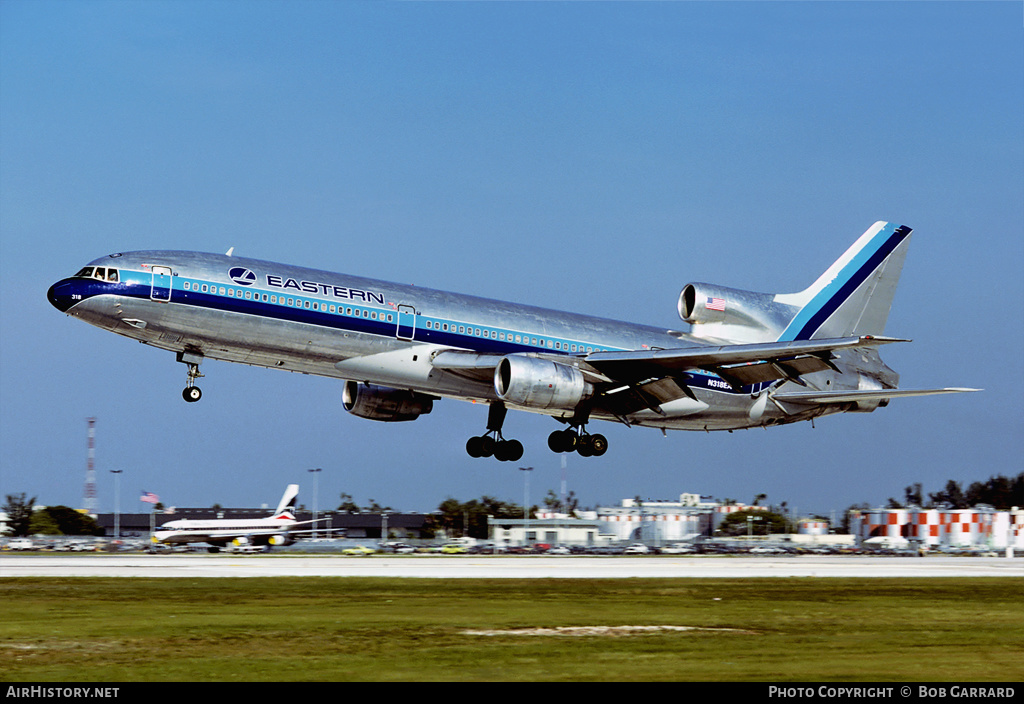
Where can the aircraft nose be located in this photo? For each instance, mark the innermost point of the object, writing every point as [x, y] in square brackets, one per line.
[60, 297]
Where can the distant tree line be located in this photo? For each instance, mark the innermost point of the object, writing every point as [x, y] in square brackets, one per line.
[470, 518]
[999, 492]
[349, 506]
[23, 519]
[760, 522]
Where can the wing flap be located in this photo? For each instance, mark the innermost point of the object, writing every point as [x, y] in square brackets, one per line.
[737, 364]
[651, 394]
[758, 372]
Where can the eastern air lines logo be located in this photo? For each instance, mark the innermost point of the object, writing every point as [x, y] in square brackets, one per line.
[242, 276]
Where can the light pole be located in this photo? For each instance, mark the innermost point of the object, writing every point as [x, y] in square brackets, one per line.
[526, 505]
[750, 525]
[117, 502]
[316, 489]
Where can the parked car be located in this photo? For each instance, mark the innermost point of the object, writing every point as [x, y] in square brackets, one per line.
[677, 549]
[357, 550]
[21, 544]
[637, 549]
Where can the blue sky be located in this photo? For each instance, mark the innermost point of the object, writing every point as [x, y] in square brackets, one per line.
[592, 157]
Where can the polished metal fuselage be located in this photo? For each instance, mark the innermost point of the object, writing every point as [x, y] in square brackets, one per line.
[347, 327]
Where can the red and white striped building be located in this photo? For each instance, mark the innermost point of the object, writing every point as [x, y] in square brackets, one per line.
[971, 527]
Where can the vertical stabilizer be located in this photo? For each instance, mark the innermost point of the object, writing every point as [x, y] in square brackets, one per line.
[854, 296]
[291, 495]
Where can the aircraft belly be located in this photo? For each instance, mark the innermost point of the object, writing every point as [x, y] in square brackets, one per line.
[673, 409]
[716, 411]
[228, 336]
[279, 344]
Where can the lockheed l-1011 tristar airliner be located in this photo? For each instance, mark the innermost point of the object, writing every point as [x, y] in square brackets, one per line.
[749, 359]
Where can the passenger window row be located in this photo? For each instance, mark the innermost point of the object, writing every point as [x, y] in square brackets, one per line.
[100, 272]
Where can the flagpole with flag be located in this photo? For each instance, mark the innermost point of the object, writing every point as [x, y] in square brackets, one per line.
[150, 498]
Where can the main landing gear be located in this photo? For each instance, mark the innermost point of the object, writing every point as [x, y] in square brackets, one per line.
[191, 392]
[573, 439]
[581, 442]
[491, 443]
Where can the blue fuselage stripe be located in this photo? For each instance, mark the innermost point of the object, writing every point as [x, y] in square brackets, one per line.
[138, 285]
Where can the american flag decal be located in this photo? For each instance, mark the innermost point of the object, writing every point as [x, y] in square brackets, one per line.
[715, 304]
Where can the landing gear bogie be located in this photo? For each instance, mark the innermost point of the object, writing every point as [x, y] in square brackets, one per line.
[586, 445]
[498, 448]
[491, 443]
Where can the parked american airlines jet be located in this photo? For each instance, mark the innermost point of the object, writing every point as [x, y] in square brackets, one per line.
[749, 359]
[278, 529]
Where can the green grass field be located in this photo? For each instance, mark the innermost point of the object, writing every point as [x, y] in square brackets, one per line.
[343, 629]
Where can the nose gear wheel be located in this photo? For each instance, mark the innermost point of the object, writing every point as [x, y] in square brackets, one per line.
[191, 392]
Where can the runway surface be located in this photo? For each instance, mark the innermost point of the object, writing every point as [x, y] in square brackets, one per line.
[503, 567]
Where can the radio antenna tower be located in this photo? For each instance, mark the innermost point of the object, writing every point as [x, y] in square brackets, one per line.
[89, 498]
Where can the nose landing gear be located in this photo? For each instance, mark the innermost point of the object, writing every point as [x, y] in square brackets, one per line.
[191, 392]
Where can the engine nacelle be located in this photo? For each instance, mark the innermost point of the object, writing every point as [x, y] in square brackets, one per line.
[280, 539]
[384, 403]
[734, 314]
[539, 383]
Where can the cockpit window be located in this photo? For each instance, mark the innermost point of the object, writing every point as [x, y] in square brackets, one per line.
[98, 272]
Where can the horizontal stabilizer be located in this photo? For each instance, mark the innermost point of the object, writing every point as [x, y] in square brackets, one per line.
[812, 397]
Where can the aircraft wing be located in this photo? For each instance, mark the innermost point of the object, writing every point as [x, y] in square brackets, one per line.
[637, 379]
[814, 397]
[737, 364]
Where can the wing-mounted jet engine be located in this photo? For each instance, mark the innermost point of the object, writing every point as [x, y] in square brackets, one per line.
[539, 383]
[384, 403]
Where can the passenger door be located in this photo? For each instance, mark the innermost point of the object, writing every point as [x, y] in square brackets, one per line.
[161, 290]
[406, 322]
